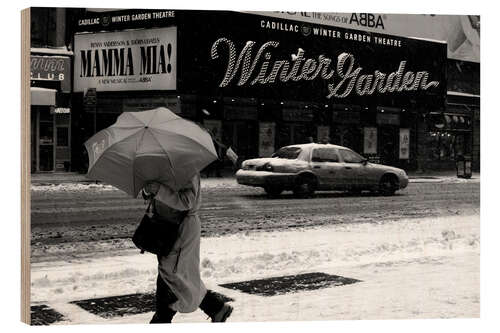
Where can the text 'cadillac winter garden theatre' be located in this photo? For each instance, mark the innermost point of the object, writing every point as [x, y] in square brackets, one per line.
[260, 82]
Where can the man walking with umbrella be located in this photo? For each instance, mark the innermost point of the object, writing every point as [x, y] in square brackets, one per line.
[179, 286]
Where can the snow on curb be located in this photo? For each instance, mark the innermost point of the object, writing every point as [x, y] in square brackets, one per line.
[255, 255]
[448, 180]
[207, 183]
[210, 183]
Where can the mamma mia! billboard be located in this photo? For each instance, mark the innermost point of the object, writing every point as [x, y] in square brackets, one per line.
[126, 60]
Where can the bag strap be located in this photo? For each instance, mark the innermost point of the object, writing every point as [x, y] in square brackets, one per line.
[149, 206]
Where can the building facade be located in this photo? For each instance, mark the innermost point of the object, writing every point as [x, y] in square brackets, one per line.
[458, 131]
[259, 82]
[51, 90]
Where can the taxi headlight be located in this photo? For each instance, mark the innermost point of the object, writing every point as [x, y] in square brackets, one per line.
[265, 167]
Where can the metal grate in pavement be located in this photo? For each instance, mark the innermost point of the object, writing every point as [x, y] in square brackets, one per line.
[108, 307]
[44, 315]
[289, 284]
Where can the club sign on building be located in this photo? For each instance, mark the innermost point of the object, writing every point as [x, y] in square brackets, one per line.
[126, 60]
[51, 68]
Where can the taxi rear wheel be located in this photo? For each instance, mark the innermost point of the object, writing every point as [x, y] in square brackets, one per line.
[304, 186]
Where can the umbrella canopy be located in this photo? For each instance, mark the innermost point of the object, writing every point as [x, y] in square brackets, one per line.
[154, 145]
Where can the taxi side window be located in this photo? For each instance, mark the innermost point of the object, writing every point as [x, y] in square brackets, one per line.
[350, 157]
[325, 155]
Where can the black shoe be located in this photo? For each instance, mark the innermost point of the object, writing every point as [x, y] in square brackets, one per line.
[223, 314]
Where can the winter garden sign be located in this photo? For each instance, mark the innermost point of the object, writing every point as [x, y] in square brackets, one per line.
[252, 66]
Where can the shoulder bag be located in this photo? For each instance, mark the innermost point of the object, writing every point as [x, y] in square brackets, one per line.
[155, 235]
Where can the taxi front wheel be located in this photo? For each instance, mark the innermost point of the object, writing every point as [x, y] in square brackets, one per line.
[388, 185]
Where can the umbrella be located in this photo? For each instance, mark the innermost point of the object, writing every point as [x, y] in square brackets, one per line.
[155, 145]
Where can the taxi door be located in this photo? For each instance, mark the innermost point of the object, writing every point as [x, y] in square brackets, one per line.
[355, 172]
[325, 164]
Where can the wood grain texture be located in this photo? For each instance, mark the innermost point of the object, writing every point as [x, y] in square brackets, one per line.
[25, 165]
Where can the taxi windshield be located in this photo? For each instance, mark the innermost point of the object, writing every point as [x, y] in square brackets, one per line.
[287, 152]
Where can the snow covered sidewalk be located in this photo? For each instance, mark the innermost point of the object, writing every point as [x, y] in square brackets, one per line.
[427, 268]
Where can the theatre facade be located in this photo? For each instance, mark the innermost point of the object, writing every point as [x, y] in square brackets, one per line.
[260, 83]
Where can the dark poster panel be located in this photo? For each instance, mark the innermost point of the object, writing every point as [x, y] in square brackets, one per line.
[312, 52]
[43, 27]
[463, 77]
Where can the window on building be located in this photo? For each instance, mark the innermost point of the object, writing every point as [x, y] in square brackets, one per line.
[46, 127]
[43, 27]
[348, 136]
[62, 137]
[447, 146]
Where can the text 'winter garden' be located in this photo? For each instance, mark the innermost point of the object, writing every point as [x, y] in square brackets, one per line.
[257, 68]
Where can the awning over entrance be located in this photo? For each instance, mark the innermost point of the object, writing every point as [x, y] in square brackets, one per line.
[43, 96]
[450, 121]
[456, 118]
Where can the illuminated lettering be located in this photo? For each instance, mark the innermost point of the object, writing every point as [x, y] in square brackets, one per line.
[346, 79]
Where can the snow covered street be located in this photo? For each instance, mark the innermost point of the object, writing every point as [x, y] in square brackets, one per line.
[408, 268]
